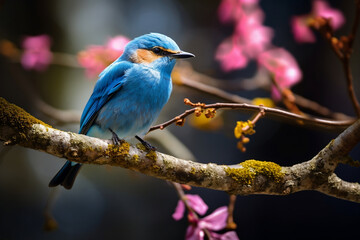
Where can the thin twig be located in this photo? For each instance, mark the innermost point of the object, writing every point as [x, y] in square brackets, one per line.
[343, 49]
[319, 109]
[50, 223]
[65, 59]
[58, 115]
[350, 85]
[260, 114]
[287, 97]
[188, 77]
[355, 26]
[183, 198]
[346, 60]
[188, 82]
[230, 224]
[269, 111]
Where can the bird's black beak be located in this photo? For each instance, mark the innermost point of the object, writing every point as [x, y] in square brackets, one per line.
[182, 54]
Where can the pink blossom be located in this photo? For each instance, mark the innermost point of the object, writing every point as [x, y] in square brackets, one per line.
[231, 56]
[116, 45]
[194, 201]
[258, 40]
[301, 30]
[283, 66]
[250, 36]
[322, 9]
[254, 36]
[37, 53]
[96, 58]
[302, 33]
[252, 18]
[213, 222]
[230, 10]
[226, 11]
[231, 235]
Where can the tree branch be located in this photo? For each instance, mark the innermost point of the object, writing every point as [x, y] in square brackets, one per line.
[186, 76]
[249, 177]
[273, 112]
[58, 115]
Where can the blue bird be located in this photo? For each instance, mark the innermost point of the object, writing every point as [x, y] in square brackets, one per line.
[128, 96]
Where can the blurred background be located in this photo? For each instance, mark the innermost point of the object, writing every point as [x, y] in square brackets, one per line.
[109, 202]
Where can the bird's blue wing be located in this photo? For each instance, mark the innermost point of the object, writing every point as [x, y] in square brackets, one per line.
[110, 81]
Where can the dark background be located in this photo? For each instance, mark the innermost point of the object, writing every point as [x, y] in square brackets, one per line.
[112, 203]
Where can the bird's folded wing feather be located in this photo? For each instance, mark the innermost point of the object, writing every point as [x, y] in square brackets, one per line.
[110, 82]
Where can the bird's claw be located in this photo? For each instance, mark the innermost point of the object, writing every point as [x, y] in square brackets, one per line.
[147, 145]
[115, 138]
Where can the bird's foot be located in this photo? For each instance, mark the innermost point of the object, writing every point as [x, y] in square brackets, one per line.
[147, 145]
[115, 138]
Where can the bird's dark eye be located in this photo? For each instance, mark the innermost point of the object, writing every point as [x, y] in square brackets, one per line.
[156, 50]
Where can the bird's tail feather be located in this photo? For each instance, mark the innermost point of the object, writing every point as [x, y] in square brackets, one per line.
[66, 176]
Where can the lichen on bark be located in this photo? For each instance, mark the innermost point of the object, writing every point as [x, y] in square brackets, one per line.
[18, 119]
[249, 169]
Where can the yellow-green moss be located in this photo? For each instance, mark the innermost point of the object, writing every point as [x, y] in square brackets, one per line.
[118, 150]
[155, 168]
[151, 155]
[17, 118]
[251, 168]
[193, 171]
[141, 147]
[136, 158]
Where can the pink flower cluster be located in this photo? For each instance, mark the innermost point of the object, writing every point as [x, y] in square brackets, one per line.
[214, 222]
[283, 66]
[97, 57]
[250, 37]
[36, 55]
[301, 30]
[251, 40]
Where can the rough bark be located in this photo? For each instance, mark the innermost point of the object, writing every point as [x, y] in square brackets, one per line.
[249, 177]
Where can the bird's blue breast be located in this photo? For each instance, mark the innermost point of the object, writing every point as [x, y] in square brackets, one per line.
[131, 110]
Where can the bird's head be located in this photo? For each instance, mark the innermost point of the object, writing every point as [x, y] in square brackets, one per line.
[155, 50]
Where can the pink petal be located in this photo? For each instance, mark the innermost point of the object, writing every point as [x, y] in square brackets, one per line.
[257, 40]
[230, 10]
[282, 65]
[37, 53]
[230, 56]
[275, 94]
[215, 221]
[40, 42]
[249, 2]
[254, 37]
[250, 19]
[94, 59]
[302, 33]
[322, 9]
[179, 211]
[194, 233]
[231, 235]
[117, 43]
[197, 203]
[194, 201]
[226, 10]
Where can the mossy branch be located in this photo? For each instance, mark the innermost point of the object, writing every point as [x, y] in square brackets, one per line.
[249, 177]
